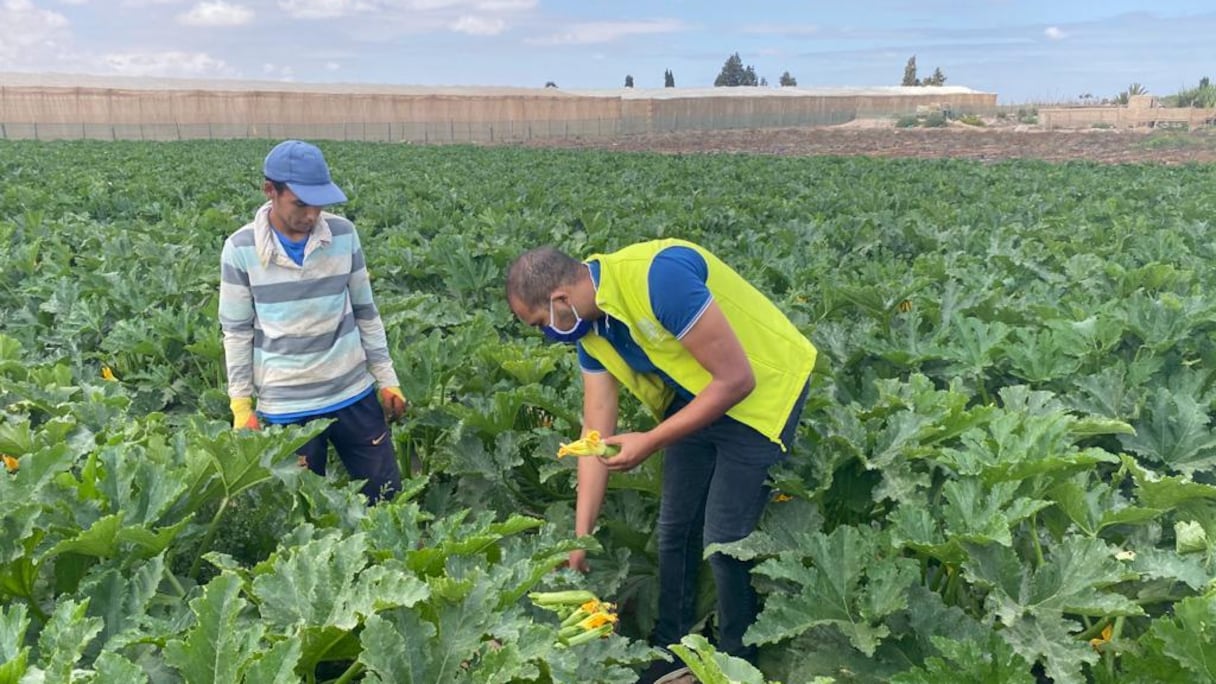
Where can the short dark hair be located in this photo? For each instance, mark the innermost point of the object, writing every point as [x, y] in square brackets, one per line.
[538, 272]
[279, 186]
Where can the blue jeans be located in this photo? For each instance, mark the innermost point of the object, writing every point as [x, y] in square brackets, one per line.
[714, 490]
[363, 441]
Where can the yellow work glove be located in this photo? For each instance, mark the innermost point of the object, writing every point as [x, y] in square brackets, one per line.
[243, 416]
[393, 402]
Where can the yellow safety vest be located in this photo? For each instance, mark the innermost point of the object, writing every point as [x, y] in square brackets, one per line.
[781, 357]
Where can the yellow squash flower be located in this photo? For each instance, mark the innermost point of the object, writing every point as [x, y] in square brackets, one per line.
[10, 463]
[107, 374]
[1097, 642]
[596, 620]
[591, 445]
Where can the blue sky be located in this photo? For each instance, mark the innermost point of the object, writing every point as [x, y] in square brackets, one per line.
[1023, 50]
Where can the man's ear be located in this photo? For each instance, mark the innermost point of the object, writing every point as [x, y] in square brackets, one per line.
[268, 189]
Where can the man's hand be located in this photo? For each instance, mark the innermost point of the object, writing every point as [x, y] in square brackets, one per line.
[635, 448]
[578, 561]
[243, 417]
[393, 402]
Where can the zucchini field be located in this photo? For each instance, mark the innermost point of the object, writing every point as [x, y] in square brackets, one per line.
[1005, 472]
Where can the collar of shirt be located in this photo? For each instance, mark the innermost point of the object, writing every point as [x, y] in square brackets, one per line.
[267, 245]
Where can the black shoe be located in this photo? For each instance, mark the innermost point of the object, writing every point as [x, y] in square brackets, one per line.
[662, 672]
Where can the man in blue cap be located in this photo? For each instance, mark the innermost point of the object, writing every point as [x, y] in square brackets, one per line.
[301, 331]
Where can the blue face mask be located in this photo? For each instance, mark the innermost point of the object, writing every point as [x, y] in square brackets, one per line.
[571, 335]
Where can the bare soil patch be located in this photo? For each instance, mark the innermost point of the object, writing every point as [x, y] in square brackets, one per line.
[877, 138]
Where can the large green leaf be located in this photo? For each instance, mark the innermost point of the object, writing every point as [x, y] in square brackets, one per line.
[13, 652]
[1168, 565]
[137, 487]
[400, 646]
[312, 584]
[276, 665]
[218, 647]
[1166, 493]
[100, 539]
[712, 667]
[64, 639]
[847, 579]
[1190, 636]
[112, 667]
[976, 513]
[1071, 581]
[120, 599]
[990, 661]
[1094, 506]
[1051, 640]
[913, 527]
[1175, 432]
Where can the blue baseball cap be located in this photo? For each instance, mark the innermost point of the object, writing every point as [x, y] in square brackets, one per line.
[302, 167]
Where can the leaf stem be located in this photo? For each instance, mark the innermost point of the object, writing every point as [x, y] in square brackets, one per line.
[210, 537]
[1034, 536]
[351, 672]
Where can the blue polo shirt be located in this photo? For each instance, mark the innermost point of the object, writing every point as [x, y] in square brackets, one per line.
[678, 295]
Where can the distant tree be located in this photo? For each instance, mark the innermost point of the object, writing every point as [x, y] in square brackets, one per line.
[763, 82]
[628, 81]
[550, 84]
[938, 78]
[669, 79]
[1203, 95]
[788, 80]
[1133, 89]
[734, 74]
[910, 78]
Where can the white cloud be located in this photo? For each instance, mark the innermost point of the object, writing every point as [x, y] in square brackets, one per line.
[332, 66]
[505, 5]
[216, 13]
[30, 35]
[281, 72]
[784, 29]
[170, 63]
[72, 2]
[146, 3]
[322, 9]
[1055, 33]
[478, 26]
[609, 31]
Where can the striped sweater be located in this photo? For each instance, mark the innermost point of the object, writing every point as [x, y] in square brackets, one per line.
[300, 338]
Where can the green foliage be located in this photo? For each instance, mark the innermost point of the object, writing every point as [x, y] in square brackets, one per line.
[734, 74]
[935, 120]
[1204, 96]
[711, 667]
[1005, 451]
[910, 78]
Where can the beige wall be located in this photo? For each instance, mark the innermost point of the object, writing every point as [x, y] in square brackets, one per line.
[1124, 117]
[48, 112]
